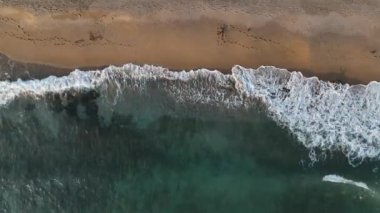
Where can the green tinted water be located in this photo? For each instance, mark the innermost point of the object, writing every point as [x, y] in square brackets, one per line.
[175, 165]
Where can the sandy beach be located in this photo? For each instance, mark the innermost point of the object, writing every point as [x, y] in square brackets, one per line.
[331, 39]
[166, 106]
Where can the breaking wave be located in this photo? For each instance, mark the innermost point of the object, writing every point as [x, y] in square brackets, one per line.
[342, 180]
[323, 116]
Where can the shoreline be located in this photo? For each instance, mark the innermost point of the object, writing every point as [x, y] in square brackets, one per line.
[13, 70]
[95, 38]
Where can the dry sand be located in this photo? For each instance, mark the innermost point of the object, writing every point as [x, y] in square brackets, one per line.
[335, 39]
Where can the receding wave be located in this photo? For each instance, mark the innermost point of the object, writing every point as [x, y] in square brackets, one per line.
[324, 116]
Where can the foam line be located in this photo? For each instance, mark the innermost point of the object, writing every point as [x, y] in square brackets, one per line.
[322, 115]
[339, 179]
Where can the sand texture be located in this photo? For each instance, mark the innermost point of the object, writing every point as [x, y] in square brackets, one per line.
[336, 38]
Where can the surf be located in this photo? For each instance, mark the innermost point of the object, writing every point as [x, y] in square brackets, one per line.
[325, 117]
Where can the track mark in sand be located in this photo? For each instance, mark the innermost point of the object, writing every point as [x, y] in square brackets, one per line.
[93, 38]
[6, 20]
[221, 33]
[249, 33]
[224, 32]
[375, 54]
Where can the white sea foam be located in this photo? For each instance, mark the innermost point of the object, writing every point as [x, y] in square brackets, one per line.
[339, 179]
[322, 115]
[9, 91]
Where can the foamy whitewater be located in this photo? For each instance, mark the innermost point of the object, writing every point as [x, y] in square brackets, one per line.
[342, 180]
[323, 116]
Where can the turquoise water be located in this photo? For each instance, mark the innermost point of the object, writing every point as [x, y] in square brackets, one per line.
[175, 164]
[137, 139]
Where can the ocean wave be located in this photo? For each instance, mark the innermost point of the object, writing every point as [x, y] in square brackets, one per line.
[339, 179]
[322, 115]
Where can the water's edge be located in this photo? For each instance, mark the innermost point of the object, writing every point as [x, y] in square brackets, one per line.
[323, 116]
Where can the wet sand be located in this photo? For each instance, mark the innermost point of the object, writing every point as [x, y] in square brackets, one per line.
[323, 39]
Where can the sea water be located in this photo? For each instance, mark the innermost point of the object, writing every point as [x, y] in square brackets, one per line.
[145, 139]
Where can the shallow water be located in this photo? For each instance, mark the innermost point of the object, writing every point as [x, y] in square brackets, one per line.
[121, 148]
